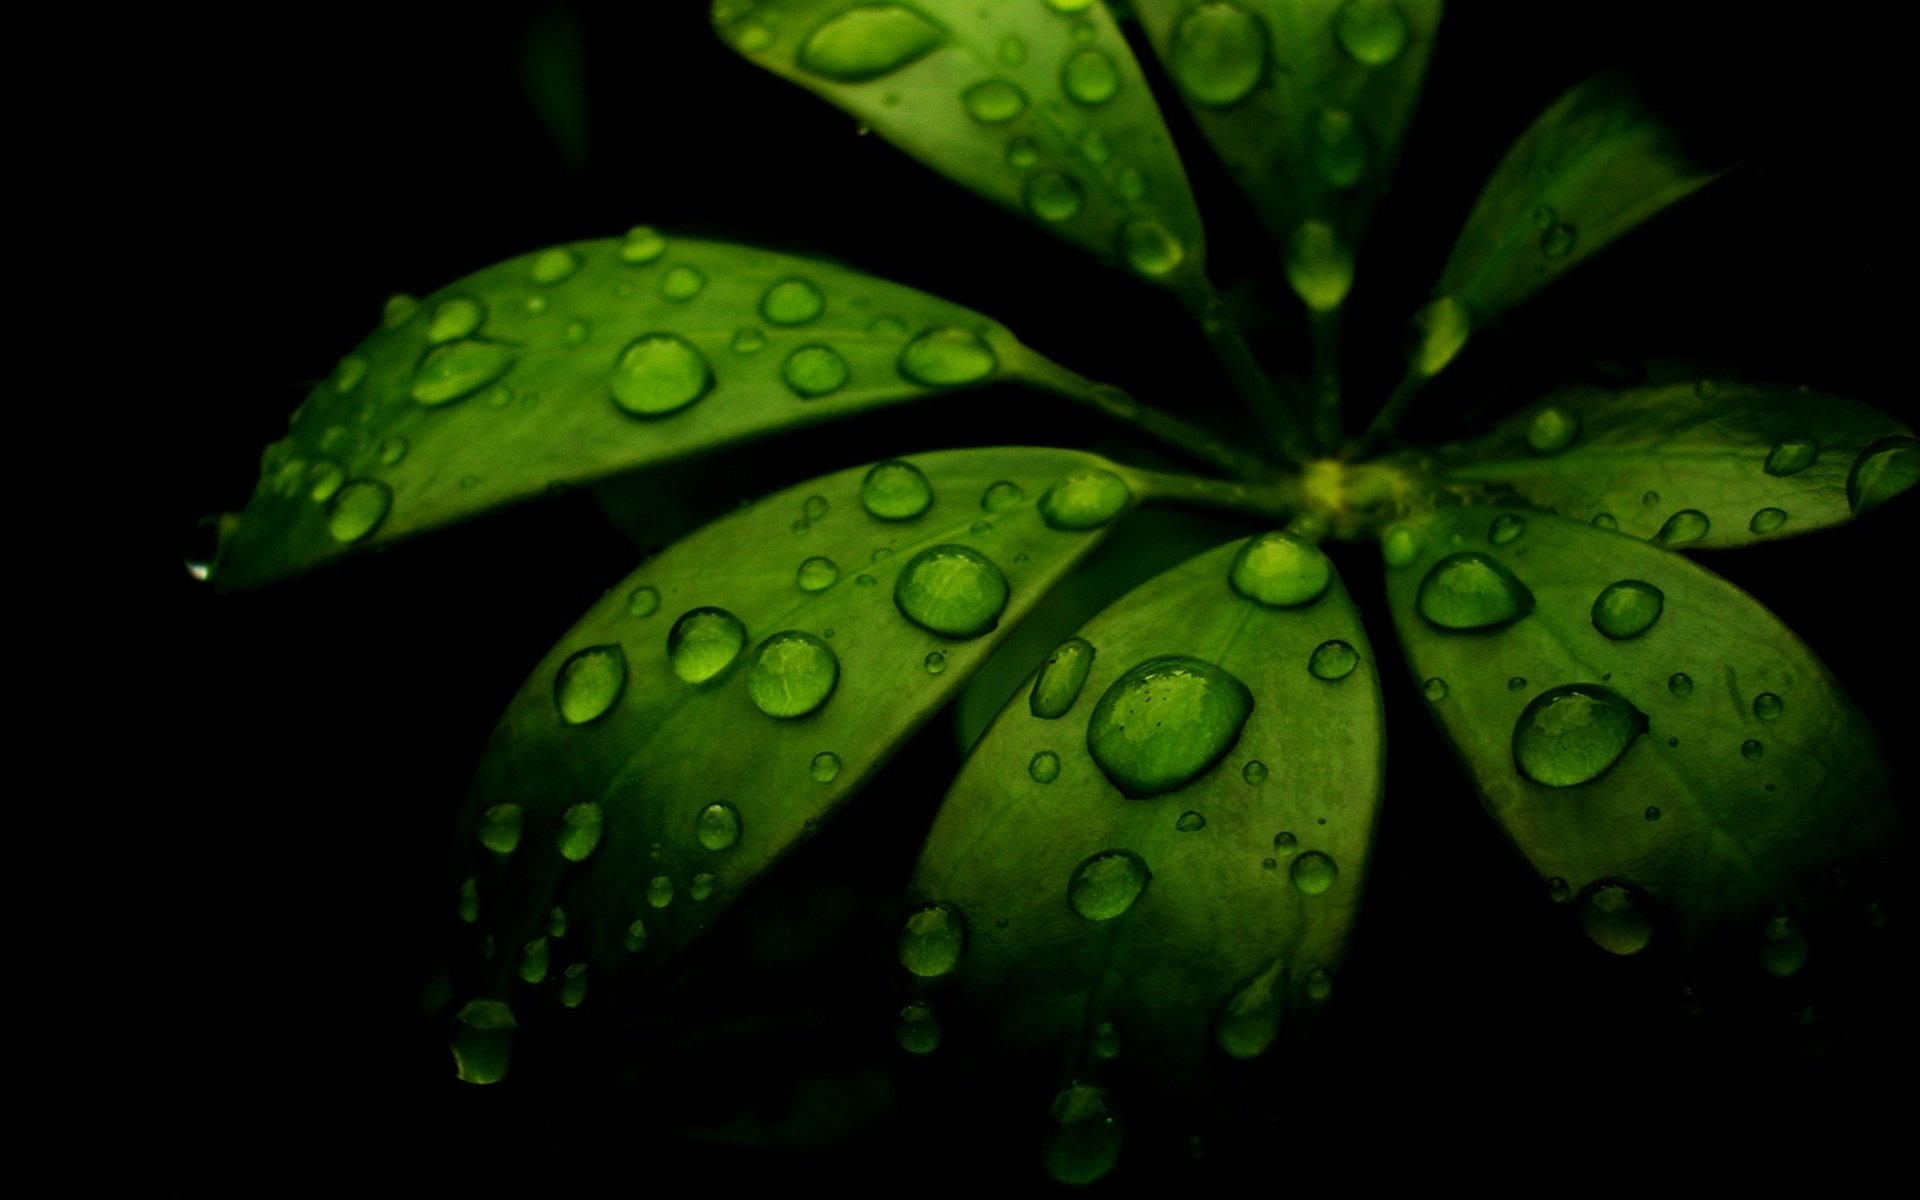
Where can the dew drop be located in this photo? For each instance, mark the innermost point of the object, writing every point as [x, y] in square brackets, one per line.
[1249, 1020]
[1687, 525]
[748, 340]
[1627, 609]
[1061, 678]
[1470, 591]
[682, 284]
[1254, 773]
[1434, 689]
[1552, 430]
[1084, 1143]
[1022, 153]
[1401, 546]
[1752, 750]
[934, 663]
[704, 642]
[791, 302]
[500, 827]
[1280, 570]
[1333, 660]
[951, 590]
[825, 767]
[1313, 872]
[931, 941]
[643, 601]
[895, 491]
[1790, 456]
[1783, 948]
[533, 961]
[702, 886]
[717, 826]
[1084, 499]
[916, 1029]
[1165, 722]
[1319, 266]
[1106, 885]
[1089, 77]
[1339, 149]
[1218, 52]
[325, 480]
[1372, 32]
[399, 309]
[1001, 496]
[1558, 240]
[642, 245]
[455, 318]
[659, 373]
[1767, 520]
[1150, 248]
[483, 1042]
[589, 682]
[1190, 822]
[357, 510]
[1439, 330]
[1054, 196]
[458, 370]
[1044, 767]
[994, 101]
[1883, 470]
[1517, 684]
[1768, 706]
[817, 574]
[1505, 528]
[660, 891]
[947, 357]
[580, 830]
[792, 674]
[393, 450]
[1572, 734]
[554, 266]
[868, 42]
[1616, 916]
[815, 370]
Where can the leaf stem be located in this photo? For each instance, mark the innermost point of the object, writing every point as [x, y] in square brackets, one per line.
[1274, 410]
[1384, 422]
[1117, 405]
[1328, 429]
[1275, 500]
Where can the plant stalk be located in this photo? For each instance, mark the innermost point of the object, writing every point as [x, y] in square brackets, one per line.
[1276, 413]
[1275, 500]
[1328, 429]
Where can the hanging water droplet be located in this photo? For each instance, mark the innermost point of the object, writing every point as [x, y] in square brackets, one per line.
[1470, 591]
[1627, 609]
[717, 826]
[1767, 520]
[1616, 916]
[554, 266]
[947, 357]
[951, 590]
[660, 891]
[643, 601]
[869, 41]
[1089, 77]
[1552, 430]
[1061, 678]
[1044, 767]
[817, 574]
[1106, 885]
[792, 674]
[1280, 570]
[916, 1029]
[642, 245]
[1085, 499]
[455, 318]
[1505, 528]
[1001, 496]
[1883, 470]
[1768, 706]
[1439, 330]
[1687, 525]
[660, 373]
[1249, 1020]
[357, 510]
[589, 682]
[458, 370]
[1572, 734]
[1319, 266]
[1165, 722]
[1372, 32]
[791, 302]
[704, 642]
[1054, 196]
[1558, 241]
[1790, 456]
[500, 828]
[932, 940]
[815, 370]
[1401, 546]
[1680, 683]
[1218, 52]
[1190, 822]
[1313, 872]
[994, 101]
[1783, 948]
[1150, 248]
[483, 1041]
[825, 767]
[1333, 660]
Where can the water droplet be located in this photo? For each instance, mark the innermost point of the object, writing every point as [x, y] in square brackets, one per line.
[1044, 767]
[1783, 948]
[1650, 499]
[1768, 706]
[1883, 470]
[717, 826]
[393, 449]
[580, 830]
[817, 574]
[1401, 546]
[1022, 153]
[1434, 689]
[1558, 891]
[642, 245]
[1218, 52]
[868, 42]
[589, 682]
[1061, 678]
[916, 1029]
[931, 941]
[1012, 51]
[1627, 609]
[1680, 683]
[1089, 77]
[1558, 241]
[815, 370]
[1470, 591]
[458, 370]
[1687, 525]
[1332, 660]
[533, 961]
[660, 891]
[994, 101]
[357, 509]
[792, 674]
[1767, 520]
[1505, 528]
[935, 662]
[573, 985]
[1105, 885]
[470, 901]
[896, 491]
[1790, 456]
[951, 590]
[1084, 1143]
[1339, 148]
[483, 1042]
[500, 828]
[704, 642]
[554, 266]
[1163, 723]
[947, 357]
[749, 341]
[1280, 570]
[864, 581]
[1517, 684]
[1319, 265]
[1439, 330]
[455, 318]
[1605, 521]
[1150, 247]
[702, 886]
[660, 373]
[1054, 196]
[1752, 751]
[682, 284]
[825, 767]
[1084, 499]
[1313, 872]
[1372, 32]
[1249, 1021]
[791, 302]
[1552, 430]
[1572, 734]
[1001, 496]
[1106, 1041]
[400, 308]
[1616, 916]
[643, 601]
[1190, 822]
[1652, 813]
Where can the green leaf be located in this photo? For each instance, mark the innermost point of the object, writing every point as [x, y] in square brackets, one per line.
[1039, 108]
[1306, 101]
[1253, 868]
[1759, 463]
[1592, 167]
[575, 363]
[608, 764]
[1703, 776]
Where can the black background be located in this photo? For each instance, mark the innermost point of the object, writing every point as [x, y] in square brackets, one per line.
[312, 742]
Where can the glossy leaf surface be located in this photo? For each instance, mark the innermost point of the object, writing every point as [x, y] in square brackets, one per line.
[576, 363]
[1667, 755]
[1040, 108]
[765, 665]
[1253, 868]
[1758, 463]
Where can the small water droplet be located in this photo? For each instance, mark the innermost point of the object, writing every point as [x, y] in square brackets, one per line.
[357, 510]
[1012, 51]
[815, 370]
[1752, 750]
[400, 308]
[1218, 53]
[1559, 240]
[643, 601]
[1061, 678]
[1372, 32]
[947, 357]
[791, 302]
[1022, 153]
[1558, 891]
[1616, 916]
[1627, 609]
[1505, 528]
[1401, 546]
[458, 370]
[1605, 521]
[935, 662]
[1313, 872]
[659, 373]
[1783, 947]
[1339, 148]
[1089, 77]
[1001, 496]
[1434, 689]
[825, 767]
[642, 245]
[717, 826]
[1165, 722]
[1150, 248]
[1249, 1020]
[951, 590]
[1881, 472]
[573, 985]
[1319, 265]
[1552, 430]
[916, 1029]
[501, 826]
[704, 642]
[1085, 499]
[1767, 520]
[932, 940]
[1280, 570]
[580, 830]
[1790, 456]
[1768, 706]
[1687, 525]
[749, 340]
[1471, 591]
[589, 682]
[1044, 767]
[1254, 773]
[817, 574]
[792, 674]
[557, 922]
[393, 450]
[994, 101]
[660, 891]
[1574, 733]
[682, 284]
[868, 42]
[554, 266]
[1105, 885]
[702, 886]
[1190, 822]
[1054, 196]
[470, 901]
[454, 318]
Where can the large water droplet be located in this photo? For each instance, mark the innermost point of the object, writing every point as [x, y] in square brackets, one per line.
[1218, 52]
[455, 318]
[1313, 872]
[931, 941]
[951, 590]
[500, 827]
[916, 1029]
[660, 373]
[589, 682]
[1061, 678]
[1150, 247]
[994, 101]
[580, 830]
[792, 674]
[1165, 722]
[1439, 330]
[1883, 470]
[1753, 750]
[1085, 499]
[1616, 916]
[817, 574]
[947, 357]
[895, 491]
[1106, 884]
[791, 302]
[717, 826]
[868, 42]
[1333, 660]
[357, 509]
[1319, 265]
[815, 370]
[1053, 196]
[1470, 591]
[458, 370]
[1249, 1021]
[704, 642]
[1280, 570]
[1372, 32]
[1790, 456]
[1687, 525]
[1574, 733]
[1627, 609]
[483, 1041]
[1089, 77]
